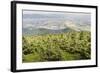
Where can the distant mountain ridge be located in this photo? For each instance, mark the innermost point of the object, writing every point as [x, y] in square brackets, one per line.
[54, 28]
[42, 22]
[42, 31]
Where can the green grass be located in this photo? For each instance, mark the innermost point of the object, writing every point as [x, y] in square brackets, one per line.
[57, 47]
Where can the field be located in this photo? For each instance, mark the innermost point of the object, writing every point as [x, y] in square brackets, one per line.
[74, 45]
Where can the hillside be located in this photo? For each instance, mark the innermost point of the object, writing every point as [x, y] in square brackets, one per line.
[57, 47]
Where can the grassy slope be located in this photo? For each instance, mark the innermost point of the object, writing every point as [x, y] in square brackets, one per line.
[57, 47]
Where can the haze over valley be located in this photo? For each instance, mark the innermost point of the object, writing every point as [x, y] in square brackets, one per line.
[40, 22]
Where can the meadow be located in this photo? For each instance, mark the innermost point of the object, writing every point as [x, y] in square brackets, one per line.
[74, 45]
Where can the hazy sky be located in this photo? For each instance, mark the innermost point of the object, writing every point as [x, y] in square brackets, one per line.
[52, 12]
[54, 20]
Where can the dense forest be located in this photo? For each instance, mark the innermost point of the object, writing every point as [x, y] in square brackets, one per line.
[67, 46]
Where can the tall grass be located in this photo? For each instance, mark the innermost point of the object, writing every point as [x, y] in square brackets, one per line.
[57, 47]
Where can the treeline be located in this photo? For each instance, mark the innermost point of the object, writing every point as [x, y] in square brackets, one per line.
[57, 47]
